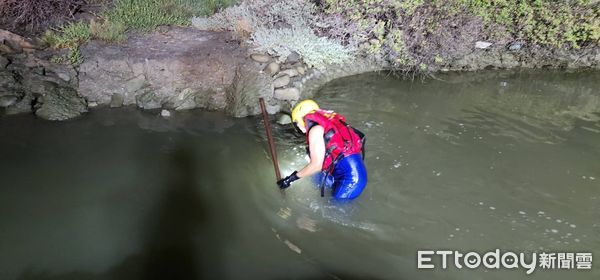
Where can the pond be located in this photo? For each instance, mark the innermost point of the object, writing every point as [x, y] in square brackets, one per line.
[461, 162]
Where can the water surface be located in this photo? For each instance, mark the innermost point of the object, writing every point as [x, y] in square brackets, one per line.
[494, 160]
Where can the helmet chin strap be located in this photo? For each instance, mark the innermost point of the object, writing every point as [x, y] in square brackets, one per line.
[297, 127]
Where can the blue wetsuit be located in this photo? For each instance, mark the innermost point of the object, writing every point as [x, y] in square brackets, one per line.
[348, 179]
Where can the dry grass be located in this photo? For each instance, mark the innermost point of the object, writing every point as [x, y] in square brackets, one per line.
[37, 14]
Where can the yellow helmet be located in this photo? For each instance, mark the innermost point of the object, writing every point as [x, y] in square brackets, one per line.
[301, 109]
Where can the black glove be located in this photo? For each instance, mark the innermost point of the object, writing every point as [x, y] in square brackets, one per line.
[287, 181]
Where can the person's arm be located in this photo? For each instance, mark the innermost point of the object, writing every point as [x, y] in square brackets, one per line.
[317, 155]
[317, 152]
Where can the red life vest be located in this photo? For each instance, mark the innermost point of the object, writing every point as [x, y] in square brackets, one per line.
[340, 138]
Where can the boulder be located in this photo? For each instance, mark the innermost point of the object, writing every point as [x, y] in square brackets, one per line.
[3, 62]
[292, 58]
[135, 84]
[282, 81]
[165, 113]
[516, 46]
[287, 94]
[289, 72]
[16, 41]
[116, 100]
[8, 100]
[185, 100]
[15, 46]
[148, 100]
[59, 103]
[4, 49]
[272, 68]
[262, 58]
[22, 106]
[284, 119]
[8, 83]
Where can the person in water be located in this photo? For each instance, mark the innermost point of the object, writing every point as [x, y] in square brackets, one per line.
[334, 149]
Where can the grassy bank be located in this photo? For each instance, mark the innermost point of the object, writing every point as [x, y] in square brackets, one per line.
[423, 33]
[120, 16]
[412, 35]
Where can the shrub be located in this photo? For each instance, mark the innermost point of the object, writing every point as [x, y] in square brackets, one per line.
[372, 26]
[261, 13]
[278, 28]
[419, 34]
[148, 14]
[315, 51]
[35, 13]
[546, 23]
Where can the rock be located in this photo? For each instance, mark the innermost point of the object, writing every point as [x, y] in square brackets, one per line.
[8, 100]
[6, 49]
[284, 119]
[516, 46]
[165, 113]
[247, 87]
[292, 58]
[23, 106]
[164, 63]
[65, 77]
[59, 103]
[37, 86]
[92, 104]
[16, 40]
[509, 60]
[39, 70]
[218, 100]
[289, 72]
[482, 45]
[287, 94]
[272, 68]
[3, 62]
[185, 100]
[281, 81]
[116, 100]
[374, 41]
[262, 58]
[148, 100]
[301, 70]
[14, 46]
[135, 84]
[7, 83]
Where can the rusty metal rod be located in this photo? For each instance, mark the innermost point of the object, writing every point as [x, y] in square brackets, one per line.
[270, 138]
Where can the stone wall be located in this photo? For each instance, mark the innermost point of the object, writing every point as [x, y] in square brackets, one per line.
[29, 82]
[177, 68]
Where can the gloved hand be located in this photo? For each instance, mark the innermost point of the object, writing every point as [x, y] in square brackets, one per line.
[287, 181]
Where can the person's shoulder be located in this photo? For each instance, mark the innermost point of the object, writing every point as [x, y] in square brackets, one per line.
[316, 129]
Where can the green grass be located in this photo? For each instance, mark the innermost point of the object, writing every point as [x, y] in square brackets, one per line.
[548, 23]
[68, 36]
[137, 15]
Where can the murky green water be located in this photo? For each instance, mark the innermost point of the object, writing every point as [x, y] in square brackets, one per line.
[462, 162]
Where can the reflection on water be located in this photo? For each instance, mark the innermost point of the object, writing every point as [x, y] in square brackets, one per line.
[462, 162]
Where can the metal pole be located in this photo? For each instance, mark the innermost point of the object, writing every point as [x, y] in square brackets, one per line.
[270, 138]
